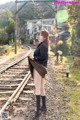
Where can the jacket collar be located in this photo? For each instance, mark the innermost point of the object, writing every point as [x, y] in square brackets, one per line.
[45, 43]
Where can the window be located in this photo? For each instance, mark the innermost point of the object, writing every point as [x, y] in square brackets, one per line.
[28, 32]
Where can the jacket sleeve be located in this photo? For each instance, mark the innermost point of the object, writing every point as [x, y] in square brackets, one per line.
[43, 54]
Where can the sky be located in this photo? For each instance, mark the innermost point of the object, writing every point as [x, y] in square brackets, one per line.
[5, 1]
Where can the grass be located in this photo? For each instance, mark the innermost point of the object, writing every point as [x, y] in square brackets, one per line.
[75, 75]
[51, 53]
[9, 50]
[73, 90]
[27, 41]
[74, 104]
[68, 60]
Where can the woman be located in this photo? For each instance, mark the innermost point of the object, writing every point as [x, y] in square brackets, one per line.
[41, 56]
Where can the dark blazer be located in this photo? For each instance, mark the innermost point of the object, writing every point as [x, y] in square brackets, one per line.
[41, 53]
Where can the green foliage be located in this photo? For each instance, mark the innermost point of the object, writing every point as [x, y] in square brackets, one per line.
[7, 25]
[27, 41]
[3, 36]
[72, 91]
[11, 26]
[64, 47]
[74, 27]
[6, 50]
[52, 47]
[5, 14]
[74, 94]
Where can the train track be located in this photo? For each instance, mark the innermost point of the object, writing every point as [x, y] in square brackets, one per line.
[6, 61]
[15, 80]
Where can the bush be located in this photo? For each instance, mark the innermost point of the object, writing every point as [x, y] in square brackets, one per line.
[3, 36]
[76, 62]
[2, 51]
[53, 48]
[27, 41]
[31, 41]
[64, 47]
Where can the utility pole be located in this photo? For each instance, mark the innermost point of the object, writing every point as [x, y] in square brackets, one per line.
[56, 32]
[16, 27]
[56, 26]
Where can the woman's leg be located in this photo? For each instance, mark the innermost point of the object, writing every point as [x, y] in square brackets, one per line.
[43, 95]
[43, 87]
[37, 82]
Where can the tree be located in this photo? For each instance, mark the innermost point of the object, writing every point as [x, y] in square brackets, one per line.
[7, 22]
[3, 36]
[74, 28]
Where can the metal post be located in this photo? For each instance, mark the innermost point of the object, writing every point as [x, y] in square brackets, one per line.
[56, 26]
[16, 31]
[56, 32]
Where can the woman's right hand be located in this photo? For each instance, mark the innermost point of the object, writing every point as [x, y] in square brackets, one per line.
[32, 57]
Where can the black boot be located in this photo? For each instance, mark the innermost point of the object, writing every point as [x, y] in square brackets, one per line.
[43, 108]
[38, 111]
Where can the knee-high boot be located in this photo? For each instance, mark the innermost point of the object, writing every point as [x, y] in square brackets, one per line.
[43, 108]
[38, 111]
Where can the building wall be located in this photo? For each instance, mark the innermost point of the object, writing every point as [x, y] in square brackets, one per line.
[33, 26]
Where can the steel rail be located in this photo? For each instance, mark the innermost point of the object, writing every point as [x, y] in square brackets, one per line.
[15, 62]
[20, 87]
[16, 93]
